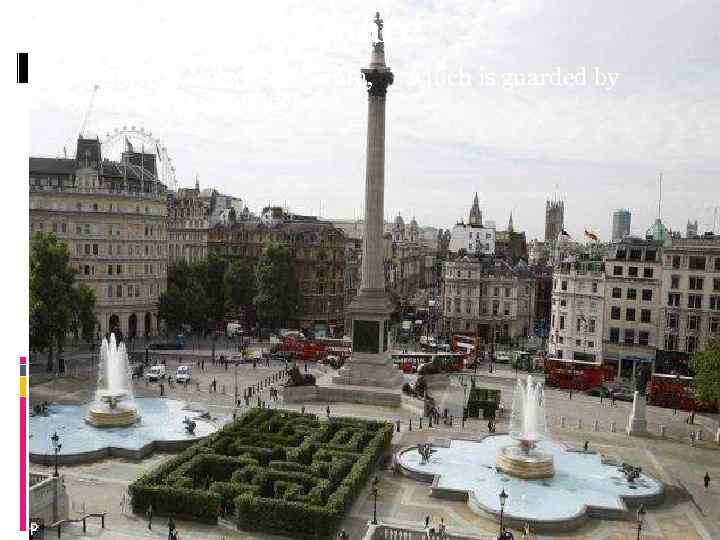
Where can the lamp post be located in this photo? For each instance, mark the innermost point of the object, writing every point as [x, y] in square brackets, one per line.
[503, 499]
[375, 482]
[640, 519]
[56, 448]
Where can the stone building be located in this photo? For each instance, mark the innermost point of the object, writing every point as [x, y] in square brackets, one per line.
[576, 324]
[319, 250]
[633, 280]
[488, 297]
[112, 217]
[473, 237]
[690, 302]
[191, 213]
[511, 244]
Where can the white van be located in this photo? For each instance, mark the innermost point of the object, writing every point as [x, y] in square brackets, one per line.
[155, 373]
[182, 374]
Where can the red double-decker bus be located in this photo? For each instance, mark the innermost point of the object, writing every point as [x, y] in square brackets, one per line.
[676, 392]
[577, 374]
[460, 343]
[409, 362]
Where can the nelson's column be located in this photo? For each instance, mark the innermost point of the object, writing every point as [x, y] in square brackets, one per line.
[370, 364]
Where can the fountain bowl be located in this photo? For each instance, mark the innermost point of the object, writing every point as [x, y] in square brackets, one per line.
[524, 461]
[112, 409]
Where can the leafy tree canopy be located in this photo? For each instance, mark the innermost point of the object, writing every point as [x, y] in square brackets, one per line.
[706, 365]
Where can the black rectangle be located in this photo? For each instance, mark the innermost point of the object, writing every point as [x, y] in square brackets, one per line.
[366, 336]
[22, 67]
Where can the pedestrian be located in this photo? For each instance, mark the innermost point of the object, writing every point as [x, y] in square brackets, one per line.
[171, 528]
[526, 531]
[585, 446]
[612, 399]
[692, 417]
[123, 502]
[150, 516]
[692, 438]
[706, 480]
[162, 390]
[327, 410]
[214, 384]
[343, 535]
[441, 529]
[202, 364]
[427, 521]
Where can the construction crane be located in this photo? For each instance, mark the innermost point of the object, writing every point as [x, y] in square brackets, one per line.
[89, 110]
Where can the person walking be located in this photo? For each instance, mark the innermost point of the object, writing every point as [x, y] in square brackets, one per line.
[427, 521]
[706, 480]
[441, 529]
[327, 411]
[150, 516]
[343, 535]
[123, 502]
[692, 438]
[172, 530]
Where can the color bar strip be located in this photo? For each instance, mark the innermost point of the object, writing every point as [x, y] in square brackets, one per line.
[23, 444]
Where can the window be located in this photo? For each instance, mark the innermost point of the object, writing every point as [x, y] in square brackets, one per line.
[674, 299]
[671, 342]
[118, 291]
[650, 255]
[644, 338]
[110, 291]
[692, 342]
[54, 227]
[697, 263]
[78, 229]
[86, 228]
[110, 270]
[696, 283]
[563, 302]
[629, 336]
[633, 271]
[647, 295]
[714, 326]
[635, 254]
[673, 320]
[506, 309]
[615, 313]
[119, 269]
[676, 261]
[647, 272]
[86, 270]
[621, 253]
[715, 303]
[87, 249]
[95, 249]
[630, 314]
[614, 335]
[645, 316]
[617, 292]
[717, 264]
[562, 322]
[594, 287]
[693, 322]
[695, 301]
[674, 282]
[507, 292]
[591, 326]
[578, 343]
[716, 281]
[591, 344]
[563, 285]
[617, 270]
[632, 294]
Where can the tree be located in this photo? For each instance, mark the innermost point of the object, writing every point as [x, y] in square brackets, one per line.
[239, 285]
[56, 304]
[706, 365]
[278, 293]
[173, 307]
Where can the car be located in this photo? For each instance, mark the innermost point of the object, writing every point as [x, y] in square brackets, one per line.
[183, 374]
[502, 358]
[237, 359]
[598, 391]
[155, 373]
[623, 395]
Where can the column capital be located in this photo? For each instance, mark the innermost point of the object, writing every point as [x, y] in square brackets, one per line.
[377, 80]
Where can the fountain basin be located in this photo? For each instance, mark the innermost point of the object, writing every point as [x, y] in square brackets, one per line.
[112, 409]
[515, 460]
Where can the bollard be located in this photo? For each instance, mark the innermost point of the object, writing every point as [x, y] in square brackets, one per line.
[451, 420]
[102, 521]
[612, 427]
[579, 423]
[84, 525]
[662, 430]
[421, 422]
[596, 425]
[397, 426]
[410, 425]
[562, 421]
[700, 434]
[59, 536]
[430, 422]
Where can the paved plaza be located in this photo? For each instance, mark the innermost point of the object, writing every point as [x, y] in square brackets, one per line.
[689, 511]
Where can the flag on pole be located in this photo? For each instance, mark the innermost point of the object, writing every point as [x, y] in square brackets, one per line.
[157, 149]
[591, 235]
[564, 235]
[128, 146]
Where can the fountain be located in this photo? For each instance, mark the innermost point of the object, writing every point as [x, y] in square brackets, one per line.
[527, 427]
[114, 404]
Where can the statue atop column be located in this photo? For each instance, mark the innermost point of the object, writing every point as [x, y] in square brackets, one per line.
[379, 23]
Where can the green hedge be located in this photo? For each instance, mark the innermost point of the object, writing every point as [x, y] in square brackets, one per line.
[278, 471]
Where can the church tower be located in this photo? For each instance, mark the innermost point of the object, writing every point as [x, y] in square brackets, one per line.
[475, 218]
[510, 224]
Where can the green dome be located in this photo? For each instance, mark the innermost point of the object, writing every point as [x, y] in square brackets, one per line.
[658, 231]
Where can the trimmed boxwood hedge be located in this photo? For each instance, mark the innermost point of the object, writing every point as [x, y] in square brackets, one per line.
[272, 470]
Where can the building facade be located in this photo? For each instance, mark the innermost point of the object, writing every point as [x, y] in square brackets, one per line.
[690, 312]
[473, 237]
[319, 249]
[577, 323]
[620, 224]
[112, 216]
[489, 298]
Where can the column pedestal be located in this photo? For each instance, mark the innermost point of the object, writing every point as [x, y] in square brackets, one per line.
[637, 423]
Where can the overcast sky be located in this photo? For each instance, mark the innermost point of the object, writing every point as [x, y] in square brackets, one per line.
[266, 102]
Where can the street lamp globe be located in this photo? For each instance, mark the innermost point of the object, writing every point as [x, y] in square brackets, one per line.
[503, 498]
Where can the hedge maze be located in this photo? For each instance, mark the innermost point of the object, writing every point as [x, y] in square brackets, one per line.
[272, 470]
